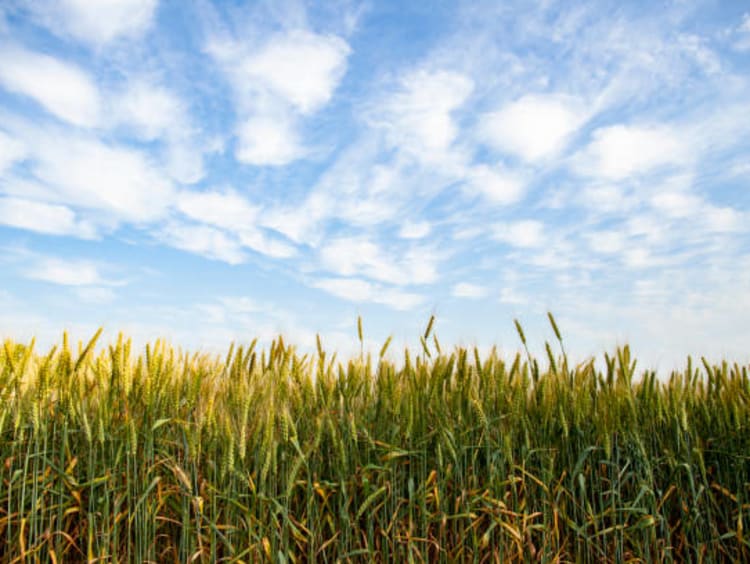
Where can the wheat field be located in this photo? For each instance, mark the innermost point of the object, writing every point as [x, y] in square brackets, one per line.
[160, 455]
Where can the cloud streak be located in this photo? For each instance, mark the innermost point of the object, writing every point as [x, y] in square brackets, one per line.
[96, 23]
[74, 98]
[287, 76]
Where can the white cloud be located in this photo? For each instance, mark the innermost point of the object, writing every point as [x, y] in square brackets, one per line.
[419, 265]
[534, 127]
[677, 204]
[525, 233]
[26, 189]
[226, 209]
[301, 67]
[355, 189]
[43, 218]
[261, 243]
[356, 290]
[265, 140]
[470, 291]
[639, 257]
[702, 214]
[300, 223]
[87, 173]
[11, 151]
[647, 227]
[418, 118]
[367, 208]
[415, 230]
[96, 22]
[467, 232]
[677, 201]
[742, 42]
[607, 198]
[184, 160]
[606, 242]
[696, 47]
[154, 112]
[723, 219]
[203, 240]
[61, 88]
[621, 151]
[65, 272]
[350, 256]
[151, 111]
[292, 74]
[359, 256]
[497, 184]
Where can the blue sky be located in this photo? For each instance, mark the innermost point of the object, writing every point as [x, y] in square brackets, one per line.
[210, 172]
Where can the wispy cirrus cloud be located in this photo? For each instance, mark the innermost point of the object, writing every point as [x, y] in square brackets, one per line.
[66, 272]
[226, 209]
[95, 23]
[277, 81]
[140, 106]
[234, 214]
[50, 219]
[358, 290]
[497, 184]
[524, 233]
[90, 174]
[415, 230]
[11, 151]
[350, 257]
[742, 34]
[418, 117]
[203, 240]
[151, 112]
[75, 97]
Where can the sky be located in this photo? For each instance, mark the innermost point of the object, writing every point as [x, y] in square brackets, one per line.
[218, 171]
